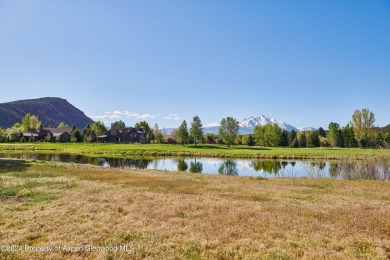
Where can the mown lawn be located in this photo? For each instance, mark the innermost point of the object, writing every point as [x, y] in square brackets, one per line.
[193, 216]
[191, 150]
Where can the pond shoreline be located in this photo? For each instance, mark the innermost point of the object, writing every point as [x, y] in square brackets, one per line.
[208, 151]
[375, 169]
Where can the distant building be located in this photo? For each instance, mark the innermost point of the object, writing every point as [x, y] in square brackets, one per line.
[123, 135]
[57, 134]
[31, 135]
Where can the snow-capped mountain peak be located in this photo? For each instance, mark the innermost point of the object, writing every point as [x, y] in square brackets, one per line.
[262, 120]
[306, 129]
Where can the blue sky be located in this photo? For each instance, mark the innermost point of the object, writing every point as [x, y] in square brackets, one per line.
[304, 62]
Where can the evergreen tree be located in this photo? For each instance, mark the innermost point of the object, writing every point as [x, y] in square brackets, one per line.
[348, 136]
[294, 143]
[120, 124]
[196, 131]
[301, 138]
[182, 133]
[148, 133]
[284, 138]
[76, 135]
[321, 132]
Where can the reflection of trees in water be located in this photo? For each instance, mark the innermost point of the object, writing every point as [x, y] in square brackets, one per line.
[315, 169]
[268, 166]
[228, 167]
[320, 165]
[182, 166]
[132, 163]
[333, 169]
[196, 167]
[369, 169]
[284, 164]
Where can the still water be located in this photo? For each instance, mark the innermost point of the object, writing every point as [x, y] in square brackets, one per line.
[240, 167]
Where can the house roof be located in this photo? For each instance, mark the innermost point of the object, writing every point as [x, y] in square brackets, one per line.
[31, 132]
[127, 129]
[28, 134]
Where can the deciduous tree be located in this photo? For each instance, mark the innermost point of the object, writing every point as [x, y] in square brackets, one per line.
[334, 134]
[247, 140]
[26, 122]
[62, 125]
[228, 130]
[98, 128]
[158, 138]
[34, 122]
[363, 126]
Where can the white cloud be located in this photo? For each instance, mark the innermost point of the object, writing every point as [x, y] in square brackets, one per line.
[121, 114]
[144, 116]
[105, 117]
[172, 117]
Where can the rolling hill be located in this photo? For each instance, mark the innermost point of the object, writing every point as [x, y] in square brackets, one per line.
[50, 111]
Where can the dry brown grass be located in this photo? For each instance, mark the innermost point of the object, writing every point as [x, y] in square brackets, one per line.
[183, 215]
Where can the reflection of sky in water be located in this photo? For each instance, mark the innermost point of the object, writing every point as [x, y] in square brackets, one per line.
[243, 167]
[246, 167]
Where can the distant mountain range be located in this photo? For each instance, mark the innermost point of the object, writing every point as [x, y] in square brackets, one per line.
[248, 124]
[50, 111]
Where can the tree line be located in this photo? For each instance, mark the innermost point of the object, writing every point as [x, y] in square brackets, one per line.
[359, 132]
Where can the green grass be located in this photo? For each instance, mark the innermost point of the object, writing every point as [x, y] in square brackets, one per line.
[127, 150]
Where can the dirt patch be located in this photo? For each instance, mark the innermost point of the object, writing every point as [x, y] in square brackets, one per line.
[12, 199]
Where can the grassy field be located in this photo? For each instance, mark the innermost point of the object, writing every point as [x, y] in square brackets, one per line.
[199, 151]
[161, 215]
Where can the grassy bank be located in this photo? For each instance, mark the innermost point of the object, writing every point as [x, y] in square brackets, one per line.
[199, 151]
[182, 215]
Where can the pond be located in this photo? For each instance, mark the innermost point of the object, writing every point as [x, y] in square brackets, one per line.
[351, 169]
